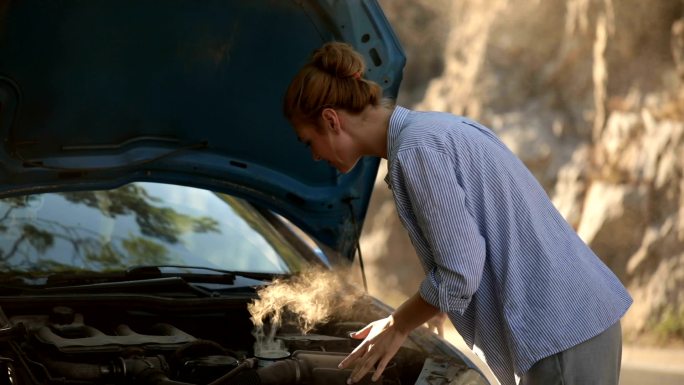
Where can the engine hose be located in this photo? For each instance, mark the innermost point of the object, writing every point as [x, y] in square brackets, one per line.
[10, 333]
[141, 370]
[154, 376]
[225, 379]
[282, 372]
[304, 367]
[171, 382]
[79, 371]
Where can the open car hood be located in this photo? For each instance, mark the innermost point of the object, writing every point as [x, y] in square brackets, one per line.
[96, 93]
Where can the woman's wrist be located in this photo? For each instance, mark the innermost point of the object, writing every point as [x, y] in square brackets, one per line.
[397, 324]
[411, 314]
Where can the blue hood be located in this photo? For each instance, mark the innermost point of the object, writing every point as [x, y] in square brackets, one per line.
[97, 93]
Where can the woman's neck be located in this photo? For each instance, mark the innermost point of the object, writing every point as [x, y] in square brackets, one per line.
[370, 128]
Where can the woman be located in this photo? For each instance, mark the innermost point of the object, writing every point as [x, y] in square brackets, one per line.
[514, 278]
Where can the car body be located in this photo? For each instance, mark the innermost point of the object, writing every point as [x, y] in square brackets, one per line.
[150, 190]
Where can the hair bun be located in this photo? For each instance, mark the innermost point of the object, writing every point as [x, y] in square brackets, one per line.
[339, 60]
[332, 77]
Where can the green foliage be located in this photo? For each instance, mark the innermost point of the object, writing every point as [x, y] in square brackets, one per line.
[40, 240]
[670, 324]
[154, 221]
[142, 251]
[160, 226]
[107, 257]
[51, 267]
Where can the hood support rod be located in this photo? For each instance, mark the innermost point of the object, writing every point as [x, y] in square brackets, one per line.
[358, 241]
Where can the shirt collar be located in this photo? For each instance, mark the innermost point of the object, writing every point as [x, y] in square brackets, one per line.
[395, 125]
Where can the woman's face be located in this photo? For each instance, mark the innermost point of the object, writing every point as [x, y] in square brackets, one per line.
[329, 144]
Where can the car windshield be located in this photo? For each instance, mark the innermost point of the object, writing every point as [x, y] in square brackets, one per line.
[139, 224]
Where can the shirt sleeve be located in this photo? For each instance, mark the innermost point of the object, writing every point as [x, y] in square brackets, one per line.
[451, 233]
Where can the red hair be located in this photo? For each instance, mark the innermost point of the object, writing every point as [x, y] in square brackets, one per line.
[333, 77]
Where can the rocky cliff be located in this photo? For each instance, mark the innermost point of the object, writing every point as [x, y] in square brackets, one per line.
[590, 95]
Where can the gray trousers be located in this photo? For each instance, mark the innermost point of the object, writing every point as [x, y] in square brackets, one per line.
[593, 362]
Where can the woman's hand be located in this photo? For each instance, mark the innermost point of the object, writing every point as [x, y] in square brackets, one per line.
[382, 340]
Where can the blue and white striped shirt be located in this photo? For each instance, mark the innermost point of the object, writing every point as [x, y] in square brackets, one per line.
[513, 276]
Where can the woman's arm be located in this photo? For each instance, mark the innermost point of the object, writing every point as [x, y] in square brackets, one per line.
[383, 338]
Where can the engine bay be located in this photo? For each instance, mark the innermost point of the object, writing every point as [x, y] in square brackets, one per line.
[134, 342]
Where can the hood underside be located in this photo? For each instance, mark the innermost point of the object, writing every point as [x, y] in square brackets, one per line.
[94, 94]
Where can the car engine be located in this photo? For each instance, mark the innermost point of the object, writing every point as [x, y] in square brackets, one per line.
[138, 342]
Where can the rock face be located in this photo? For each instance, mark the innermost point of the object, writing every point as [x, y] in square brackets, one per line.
[590, 95]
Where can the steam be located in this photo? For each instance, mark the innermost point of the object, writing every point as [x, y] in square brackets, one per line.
[307, 299]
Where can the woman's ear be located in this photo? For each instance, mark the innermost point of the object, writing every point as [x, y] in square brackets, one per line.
[331, 120]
